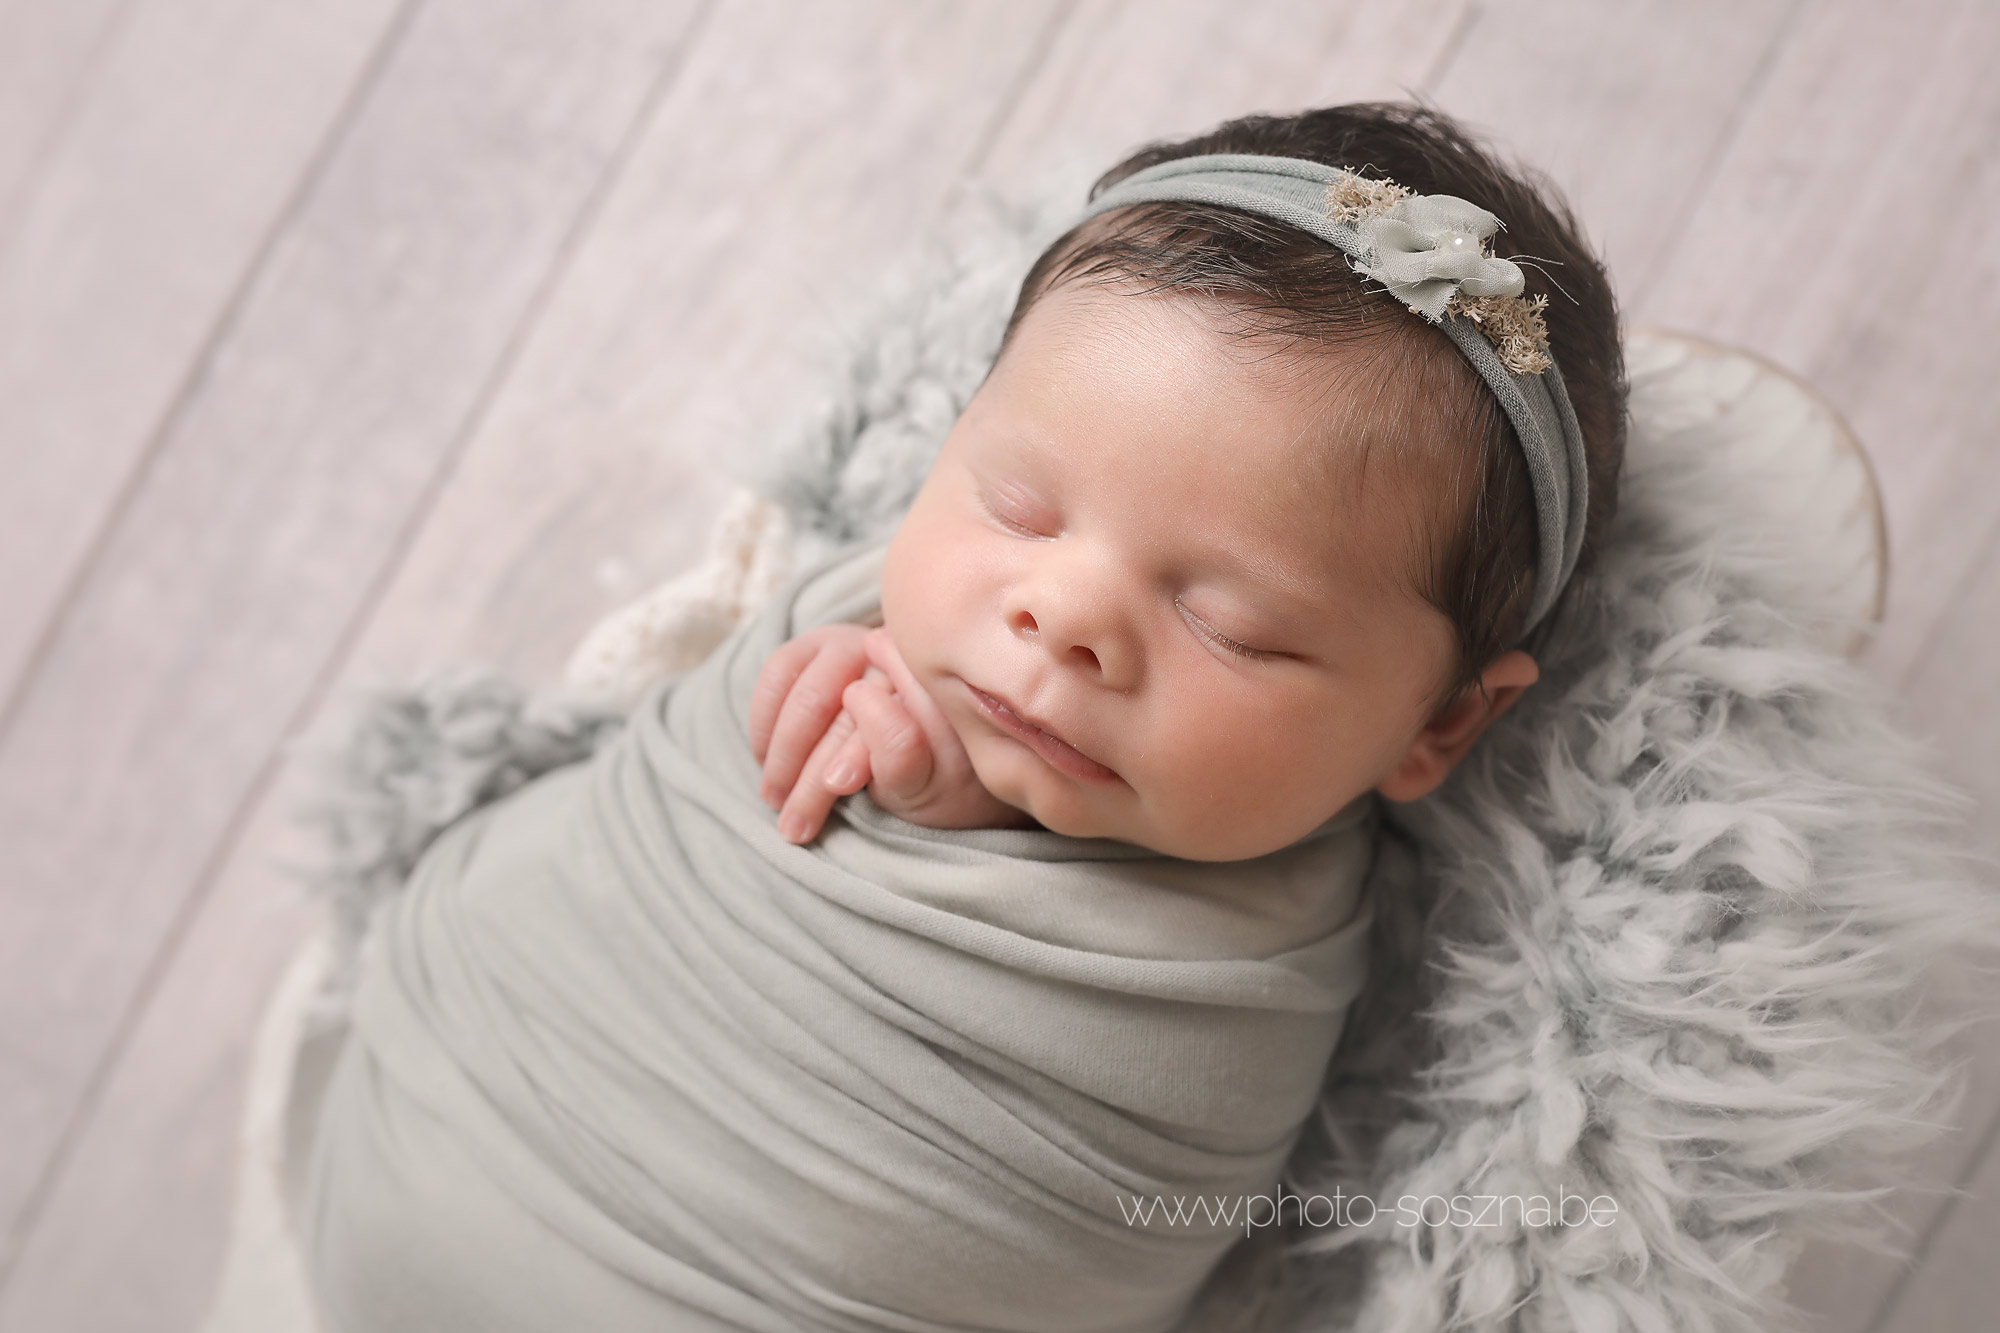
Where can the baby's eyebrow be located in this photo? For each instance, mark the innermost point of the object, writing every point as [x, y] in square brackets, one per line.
[1273, 578]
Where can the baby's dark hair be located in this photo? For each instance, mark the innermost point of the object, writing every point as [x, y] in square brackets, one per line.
[1478, 569]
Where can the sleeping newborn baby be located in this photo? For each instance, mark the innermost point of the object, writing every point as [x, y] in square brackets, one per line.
[999, 880]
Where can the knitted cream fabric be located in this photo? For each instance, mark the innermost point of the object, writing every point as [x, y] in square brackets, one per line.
[676, 625]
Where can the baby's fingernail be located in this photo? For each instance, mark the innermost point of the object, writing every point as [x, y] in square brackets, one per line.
[768, 793]
[841, 775]
[792, 828]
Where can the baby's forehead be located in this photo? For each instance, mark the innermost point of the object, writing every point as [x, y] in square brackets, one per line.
[1364, 412]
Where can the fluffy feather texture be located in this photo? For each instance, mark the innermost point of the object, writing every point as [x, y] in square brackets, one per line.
[1664, 937]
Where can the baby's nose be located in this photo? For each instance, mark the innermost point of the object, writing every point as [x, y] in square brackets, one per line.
[1079, 640]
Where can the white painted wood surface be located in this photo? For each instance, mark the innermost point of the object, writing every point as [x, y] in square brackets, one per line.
[338, 340]
[155, 185]
[1122, 74]
[253, 539]
[47, 55]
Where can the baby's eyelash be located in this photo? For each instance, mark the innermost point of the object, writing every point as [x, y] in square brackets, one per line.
[1221, 640]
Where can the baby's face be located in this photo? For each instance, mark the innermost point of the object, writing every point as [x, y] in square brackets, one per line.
[1145, 606]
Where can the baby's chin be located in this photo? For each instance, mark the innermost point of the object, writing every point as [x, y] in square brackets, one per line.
[1055, 802]
[1020, 778]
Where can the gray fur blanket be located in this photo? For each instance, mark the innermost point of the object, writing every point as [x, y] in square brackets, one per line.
[1653, 955]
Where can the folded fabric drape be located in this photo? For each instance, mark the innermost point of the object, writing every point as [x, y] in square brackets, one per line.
[623, 1058]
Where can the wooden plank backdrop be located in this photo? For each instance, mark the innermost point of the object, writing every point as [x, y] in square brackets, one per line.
[47, 53]
[150, 201]
[146, 204]
[326, 404]
[344, 338]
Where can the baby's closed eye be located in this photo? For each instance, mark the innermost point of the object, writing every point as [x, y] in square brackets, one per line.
[1019, 509]
[1224, 641]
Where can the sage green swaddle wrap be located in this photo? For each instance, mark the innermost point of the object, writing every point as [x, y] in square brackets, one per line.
[622, 1058]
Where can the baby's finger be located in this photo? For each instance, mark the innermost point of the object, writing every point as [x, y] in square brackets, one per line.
[810, 798]
[774, 682]
[808, 710]
[884, 658]
[805, 812]
[898, 751]
[849, 770]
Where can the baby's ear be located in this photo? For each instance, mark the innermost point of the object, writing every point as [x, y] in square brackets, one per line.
[1452, 730]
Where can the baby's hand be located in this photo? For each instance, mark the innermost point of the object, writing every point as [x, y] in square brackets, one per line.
[800, 732]
[836, 709]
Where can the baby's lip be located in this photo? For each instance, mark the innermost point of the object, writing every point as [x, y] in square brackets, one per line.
[1059, 753]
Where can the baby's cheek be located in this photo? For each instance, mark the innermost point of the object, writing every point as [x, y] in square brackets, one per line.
[923, 584]
[1014, 776]
[1067, 811]
[1245, 780]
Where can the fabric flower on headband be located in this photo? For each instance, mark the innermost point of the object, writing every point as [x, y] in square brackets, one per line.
[1432, 245]
[1429, 250]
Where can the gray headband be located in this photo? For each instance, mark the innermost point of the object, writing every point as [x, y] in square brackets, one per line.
[1425, 250]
